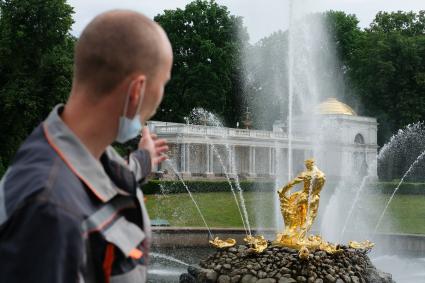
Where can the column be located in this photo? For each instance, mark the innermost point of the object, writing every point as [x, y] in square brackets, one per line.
[231, 160]
[251, 161]
[209, 159]
[187, 159]
[182, 157]
[270, 173]
[186, 153]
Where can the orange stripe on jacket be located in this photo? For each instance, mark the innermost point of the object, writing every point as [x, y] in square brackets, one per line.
[108, 262]
[60, 153]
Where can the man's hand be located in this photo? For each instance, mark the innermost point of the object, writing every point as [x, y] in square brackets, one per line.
[156, 147]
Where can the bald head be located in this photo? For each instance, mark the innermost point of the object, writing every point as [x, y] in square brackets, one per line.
[115, 45]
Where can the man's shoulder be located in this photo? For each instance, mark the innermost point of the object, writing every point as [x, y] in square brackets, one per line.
[35, 170]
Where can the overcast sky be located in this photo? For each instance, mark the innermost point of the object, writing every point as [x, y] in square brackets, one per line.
[261, 17]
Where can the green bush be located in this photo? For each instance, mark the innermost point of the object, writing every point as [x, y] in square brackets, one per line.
[405, 188]
[203, 186]
[197, 186]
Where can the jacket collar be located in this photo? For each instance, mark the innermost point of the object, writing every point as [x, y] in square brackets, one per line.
[77, 157]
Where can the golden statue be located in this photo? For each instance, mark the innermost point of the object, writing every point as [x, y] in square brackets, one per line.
[221, 244]
[257, 243]
[299, 210]
[365, 245]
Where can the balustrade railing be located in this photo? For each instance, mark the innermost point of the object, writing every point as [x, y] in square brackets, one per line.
[216, 131]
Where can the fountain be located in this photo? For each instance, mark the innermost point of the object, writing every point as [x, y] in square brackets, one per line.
[293, 256]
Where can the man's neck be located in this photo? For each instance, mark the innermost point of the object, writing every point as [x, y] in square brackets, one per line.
[91, 125]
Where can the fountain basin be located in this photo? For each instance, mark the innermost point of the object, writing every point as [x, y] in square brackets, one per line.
[401, 254]
[181, 237]
[283, 265]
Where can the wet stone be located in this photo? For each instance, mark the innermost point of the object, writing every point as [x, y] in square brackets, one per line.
[211, 276]
[330, 278]
[280, 264]
[246, 278]
[187, 278]
[223, 279]
[261, 274]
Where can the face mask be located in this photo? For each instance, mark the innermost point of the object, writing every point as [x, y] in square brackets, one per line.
[129, 128]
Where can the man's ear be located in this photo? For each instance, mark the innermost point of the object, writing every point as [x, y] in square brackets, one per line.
[137, 90]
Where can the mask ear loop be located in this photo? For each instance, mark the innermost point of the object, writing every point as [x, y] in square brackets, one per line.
[142, 96]
[127, 99]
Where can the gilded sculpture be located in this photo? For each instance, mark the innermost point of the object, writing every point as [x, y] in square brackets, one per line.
[257, 243]
[299, 210]
[221, 244]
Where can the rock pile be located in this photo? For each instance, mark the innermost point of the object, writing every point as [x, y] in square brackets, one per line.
[283, 265]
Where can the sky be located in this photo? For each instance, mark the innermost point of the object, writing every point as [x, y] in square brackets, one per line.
[261, 17]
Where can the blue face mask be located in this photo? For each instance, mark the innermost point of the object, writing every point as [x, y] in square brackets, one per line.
[129, 128]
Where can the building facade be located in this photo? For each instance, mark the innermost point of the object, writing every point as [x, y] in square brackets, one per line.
[343, 144]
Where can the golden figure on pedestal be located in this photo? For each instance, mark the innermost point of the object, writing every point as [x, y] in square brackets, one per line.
[299, 210]
[365, 245]
[221, 244]
[257, 243]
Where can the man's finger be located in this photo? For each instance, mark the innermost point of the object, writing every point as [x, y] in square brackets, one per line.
[160, 142]
[145, 132]
[159, 159]
[162, 149]
[154, 136]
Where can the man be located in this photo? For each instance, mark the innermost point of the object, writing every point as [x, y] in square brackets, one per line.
[70, 206]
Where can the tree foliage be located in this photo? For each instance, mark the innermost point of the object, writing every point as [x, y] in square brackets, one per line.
[382, 67]
[35, 66]
[206, 45]
[388, 70]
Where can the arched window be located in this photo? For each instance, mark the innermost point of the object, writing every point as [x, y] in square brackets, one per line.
[359, 139]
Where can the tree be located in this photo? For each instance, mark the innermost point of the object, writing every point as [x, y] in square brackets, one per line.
[36, 51]
[388, 70]
[207, 43]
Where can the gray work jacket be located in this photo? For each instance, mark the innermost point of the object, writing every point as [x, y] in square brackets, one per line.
[66, 217]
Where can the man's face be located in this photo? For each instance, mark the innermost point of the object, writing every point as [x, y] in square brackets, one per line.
[155, 89]
[309, 165]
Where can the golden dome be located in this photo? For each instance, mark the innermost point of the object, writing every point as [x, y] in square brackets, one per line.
[333, 106]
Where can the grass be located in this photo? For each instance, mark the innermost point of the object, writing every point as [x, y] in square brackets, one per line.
[406, 214]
